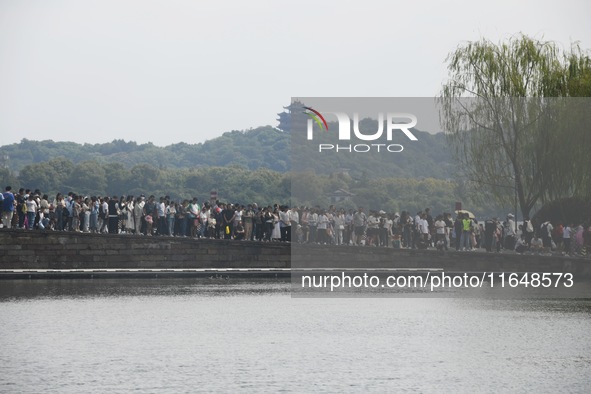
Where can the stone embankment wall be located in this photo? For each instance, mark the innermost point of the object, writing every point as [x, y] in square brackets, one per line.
[61, 250]
[27, 250]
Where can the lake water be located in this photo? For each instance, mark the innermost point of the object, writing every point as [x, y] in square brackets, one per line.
[199, 335]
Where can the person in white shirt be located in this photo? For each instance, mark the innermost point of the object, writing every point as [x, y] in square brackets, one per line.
[349, 234]
[193, 213]
[284, 223]
[385, 229]
[416, 229]
[238, 214]
[31, 211]
[170, 218]
[536, 244]
[322, 227]
[305, 225]
[510, 227]
[138, 210]
[313, 225]
[339, 225]
[86, 210]
[373, 231]
[204, 216]
[105, 221]
[509, 231]
[424, 227]
[130, 224]
[330, 228]
[294, 218]
[440, 231]
[359, 223]
[566, 234]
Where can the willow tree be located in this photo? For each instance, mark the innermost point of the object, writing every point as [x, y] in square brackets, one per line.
[510, 114]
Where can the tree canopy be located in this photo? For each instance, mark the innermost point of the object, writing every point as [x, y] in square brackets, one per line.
[513, 114]
[237, 184]
[263, 147]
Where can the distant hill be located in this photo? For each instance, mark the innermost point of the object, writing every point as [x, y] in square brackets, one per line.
[243, 148]
[263, 147]
[243, 166]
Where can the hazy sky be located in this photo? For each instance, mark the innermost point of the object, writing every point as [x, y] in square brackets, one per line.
[187, 71]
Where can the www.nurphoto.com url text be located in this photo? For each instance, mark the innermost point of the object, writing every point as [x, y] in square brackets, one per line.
[440, 280]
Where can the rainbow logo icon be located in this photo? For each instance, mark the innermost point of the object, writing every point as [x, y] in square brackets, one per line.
[317, 116]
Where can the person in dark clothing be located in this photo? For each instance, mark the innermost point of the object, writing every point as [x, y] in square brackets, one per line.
[239, 232]
[148, 215]
[113, 215]
[20, 201]
[219, 220]
[267, 218]
[228, 216]
[489, 230]
[458, 226]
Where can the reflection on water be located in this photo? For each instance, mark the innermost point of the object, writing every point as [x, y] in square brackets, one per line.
[173, 287]
[191, 335]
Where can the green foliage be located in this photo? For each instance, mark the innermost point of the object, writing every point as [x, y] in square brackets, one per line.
[237, 184]
[7, 179]
[567, 211]
[263, 147]
[51, 175]
[309, 189]
[389, 194]
[146, 177]
[88, 178]
[394, 194]
[510, 139]
[117, 177]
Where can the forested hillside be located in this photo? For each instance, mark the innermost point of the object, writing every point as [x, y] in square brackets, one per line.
[242, 166]
[263, 147]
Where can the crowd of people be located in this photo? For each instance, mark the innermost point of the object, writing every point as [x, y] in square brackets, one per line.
[150, 216]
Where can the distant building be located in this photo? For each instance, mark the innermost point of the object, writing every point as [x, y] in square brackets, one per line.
[340, 195]
[293, 113]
